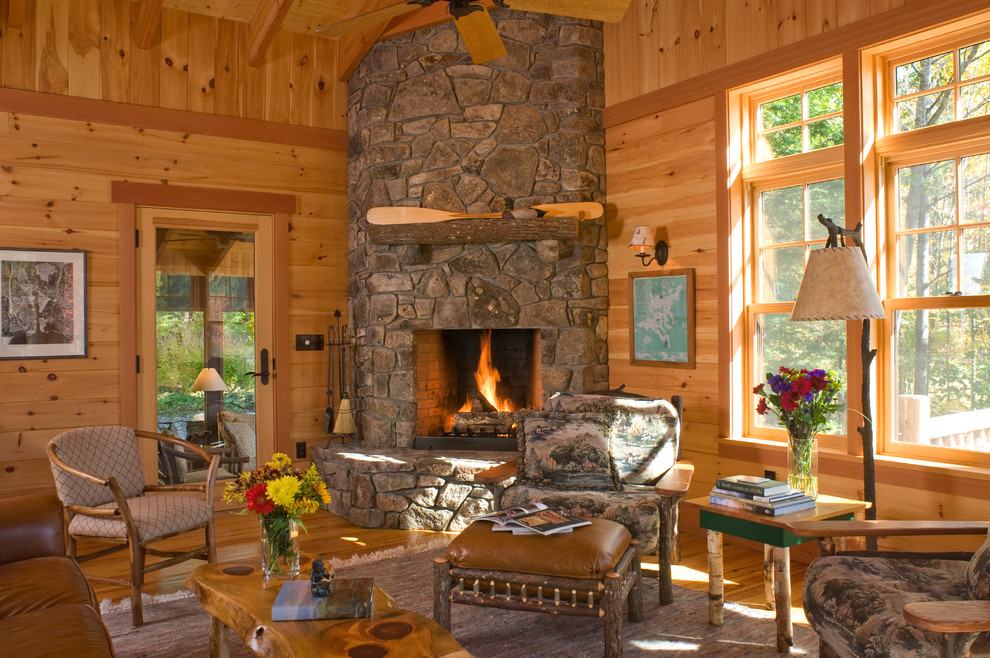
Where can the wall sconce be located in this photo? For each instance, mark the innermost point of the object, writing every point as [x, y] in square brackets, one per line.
[643, 238]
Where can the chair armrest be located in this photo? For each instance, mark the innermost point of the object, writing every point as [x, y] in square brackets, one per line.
[498, 474]
[31, 526]
[885, 528]
[949, 616]
[186, 446]
[676, 481]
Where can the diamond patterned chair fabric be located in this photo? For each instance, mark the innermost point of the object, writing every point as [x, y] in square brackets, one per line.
[99, 480]
[239, 432]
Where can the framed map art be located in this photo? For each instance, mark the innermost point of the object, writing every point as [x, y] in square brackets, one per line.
[42, 303]
[661, 318]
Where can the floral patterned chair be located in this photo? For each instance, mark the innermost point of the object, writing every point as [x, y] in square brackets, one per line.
[889, 603]
[608, 457]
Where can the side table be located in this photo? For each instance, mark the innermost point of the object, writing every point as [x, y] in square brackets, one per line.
[771, 531]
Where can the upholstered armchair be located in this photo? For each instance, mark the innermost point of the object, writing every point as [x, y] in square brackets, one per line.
[890, 603]
[239, 435]
[604, 456]
[100, 482]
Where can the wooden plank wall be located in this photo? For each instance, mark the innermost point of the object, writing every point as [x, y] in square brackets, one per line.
[196, 62]
[673, 41]
[662, 172]
[55, 177]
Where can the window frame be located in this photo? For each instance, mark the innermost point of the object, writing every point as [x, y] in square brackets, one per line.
[921, 149]
[757, 176]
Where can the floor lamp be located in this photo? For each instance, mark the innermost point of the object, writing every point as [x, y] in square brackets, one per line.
[837, 286]
[209, 381]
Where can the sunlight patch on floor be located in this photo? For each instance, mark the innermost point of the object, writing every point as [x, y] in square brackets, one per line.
[686, 574]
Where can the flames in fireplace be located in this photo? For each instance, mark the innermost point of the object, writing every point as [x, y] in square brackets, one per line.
[487, 377]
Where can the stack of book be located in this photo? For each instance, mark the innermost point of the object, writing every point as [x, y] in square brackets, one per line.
[760, 495]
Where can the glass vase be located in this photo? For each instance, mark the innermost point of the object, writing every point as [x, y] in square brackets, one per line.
[279, 547]
[802, 463]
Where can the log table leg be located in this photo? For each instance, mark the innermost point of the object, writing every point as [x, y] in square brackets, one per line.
[716, 586]
[768, 579]
[219, 639]
[782, 588]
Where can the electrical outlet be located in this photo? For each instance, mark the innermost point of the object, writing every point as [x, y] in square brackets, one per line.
[309, 342]
[772, 475]
[300, 449]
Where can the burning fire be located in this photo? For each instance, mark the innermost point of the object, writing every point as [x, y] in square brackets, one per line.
[487, 376]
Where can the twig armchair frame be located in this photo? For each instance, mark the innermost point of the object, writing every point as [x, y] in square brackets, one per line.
[100, 482]
[908, 603]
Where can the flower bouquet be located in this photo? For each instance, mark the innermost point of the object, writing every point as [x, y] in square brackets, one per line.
[279, 495]
[803, 401]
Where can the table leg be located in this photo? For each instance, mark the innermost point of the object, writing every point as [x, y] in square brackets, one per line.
[716, 587]
[768, 591]
[219, 639]
[782, 588]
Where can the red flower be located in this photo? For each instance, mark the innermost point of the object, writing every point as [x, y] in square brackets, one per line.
[761, 407]
[790, 400]
[758, 389]
[801, 386]
[817, 383]
[257, 499]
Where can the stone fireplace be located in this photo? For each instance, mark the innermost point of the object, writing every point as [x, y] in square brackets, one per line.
[429, 128]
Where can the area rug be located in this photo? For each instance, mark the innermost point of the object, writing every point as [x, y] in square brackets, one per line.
[179, 627]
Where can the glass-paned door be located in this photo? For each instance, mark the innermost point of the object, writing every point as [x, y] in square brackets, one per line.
[204, 337]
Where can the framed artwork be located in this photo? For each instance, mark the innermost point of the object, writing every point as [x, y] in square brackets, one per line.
[42, 304]
[661, 318]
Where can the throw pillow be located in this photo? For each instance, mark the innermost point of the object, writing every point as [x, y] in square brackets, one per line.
[644, 435]
[568, 451]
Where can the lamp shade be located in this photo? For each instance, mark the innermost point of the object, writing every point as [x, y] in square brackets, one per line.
[837, 286]
[209, 379]
[642, 237]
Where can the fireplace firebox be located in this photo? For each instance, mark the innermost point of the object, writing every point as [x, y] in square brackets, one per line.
[473, 385]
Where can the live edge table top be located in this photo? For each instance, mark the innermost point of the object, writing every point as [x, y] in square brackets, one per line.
[237, 597]
[771, 530]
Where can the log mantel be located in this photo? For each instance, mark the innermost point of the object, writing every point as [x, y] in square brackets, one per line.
[467, 231]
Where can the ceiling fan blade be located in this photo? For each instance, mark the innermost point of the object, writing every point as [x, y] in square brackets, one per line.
[381, 15]
[480, 36]
[610, 11]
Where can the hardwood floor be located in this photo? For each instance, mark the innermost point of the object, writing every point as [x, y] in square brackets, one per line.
[331, 536]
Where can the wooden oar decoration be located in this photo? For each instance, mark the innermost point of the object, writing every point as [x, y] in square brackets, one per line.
[405, 215]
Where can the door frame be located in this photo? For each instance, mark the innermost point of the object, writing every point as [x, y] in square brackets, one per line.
[128, 196]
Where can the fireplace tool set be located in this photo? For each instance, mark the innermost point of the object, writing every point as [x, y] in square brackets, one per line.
[337, 344]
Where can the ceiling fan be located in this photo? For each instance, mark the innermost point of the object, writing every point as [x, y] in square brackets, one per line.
[475, 25]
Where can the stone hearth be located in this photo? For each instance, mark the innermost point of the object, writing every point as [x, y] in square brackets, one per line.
[429, 128]
[405, 488]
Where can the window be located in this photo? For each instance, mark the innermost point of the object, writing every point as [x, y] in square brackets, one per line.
[938, 224]
[795, 177]
[941, 87]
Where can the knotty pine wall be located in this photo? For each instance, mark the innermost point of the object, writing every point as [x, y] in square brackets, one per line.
[666, 65]
[56, 171]
[674, 41]
[82, 48]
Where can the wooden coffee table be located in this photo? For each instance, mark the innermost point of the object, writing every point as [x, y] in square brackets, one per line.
[237, 598]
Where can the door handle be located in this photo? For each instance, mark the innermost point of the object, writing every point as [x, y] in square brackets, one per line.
[263, 373]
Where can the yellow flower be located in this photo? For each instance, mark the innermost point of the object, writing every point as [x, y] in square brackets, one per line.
[280, 460]
[283, 492]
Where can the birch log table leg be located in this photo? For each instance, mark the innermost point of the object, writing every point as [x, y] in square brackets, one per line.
[782, 591]
[768, 580]
[716, 586]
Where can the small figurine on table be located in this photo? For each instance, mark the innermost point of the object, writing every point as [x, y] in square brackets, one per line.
[321, 582]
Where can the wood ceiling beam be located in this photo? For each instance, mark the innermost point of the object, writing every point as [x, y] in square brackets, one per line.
[264, 26]
[15, 13]
[149, 11]
[426, 17]
[353, 47]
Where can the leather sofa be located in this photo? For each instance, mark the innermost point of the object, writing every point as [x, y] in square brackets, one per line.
[47, 607]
